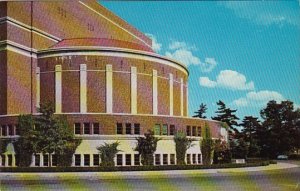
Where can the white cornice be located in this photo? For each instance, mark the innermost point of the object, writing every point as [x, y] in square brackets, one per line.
[17, 48]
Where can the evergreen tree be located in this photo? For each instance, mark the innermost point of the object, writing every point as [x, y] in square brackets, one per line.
[206, 145]
[227, 115]
[249, 134]
[182, 144]
[202, 110]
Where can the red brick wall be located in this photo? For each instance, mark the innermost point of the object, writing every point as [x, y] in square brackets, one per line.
[3, 82]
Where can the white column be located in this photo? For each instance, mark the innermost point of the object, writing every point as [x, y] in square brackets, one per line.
[91, 160]
[58, 89]
[171, 93]
[13, 160]
[6, 160]
[181, 96]
[109, 89]
[187, 100]
[38, 86]
[41, 159]
[83, 88]
[32, 160]
[73, 160]
[133, 90]
[154, 88]
[81, 160]
[161, 159]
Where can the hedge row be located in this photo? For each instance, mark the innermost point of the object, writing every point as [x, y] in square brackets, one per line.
[130, 168]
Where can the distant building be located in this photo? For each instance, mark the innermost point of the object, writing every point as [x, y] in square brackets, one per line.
[97, 70]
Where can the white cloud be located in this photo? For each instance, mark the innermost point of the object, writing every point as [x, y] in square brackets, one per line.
[156, 46]
[228, 79]
[264, 14]
[206, 82]
[184, 53]
[259, 98]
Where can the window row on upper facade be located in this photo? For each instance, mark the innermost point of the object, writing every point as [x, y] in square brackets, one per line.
[9, 130]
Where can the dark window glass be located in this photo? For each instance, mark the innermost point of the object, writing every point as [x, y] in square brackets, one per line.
[188, 131]
[172, 129]
[157, 129]
[128, 128]
[86, 127]
[199, 158]
[119, 128]
[165, 159]
[199, 132]
[165, 129]
[96, 160]
[119, 159]
[46, 160]
[136, 128]
[3, 160]
[9, 158]
[86, 160]
[77, 129]
[10, 130]
[77, 160]
[128, 159]
[172, 158]
[3, 130]
[54, 160]
[137, 159]
[194, 159]
[157, 159]
[194, 131]
[37, 160]
[96, 128]
[188, 158]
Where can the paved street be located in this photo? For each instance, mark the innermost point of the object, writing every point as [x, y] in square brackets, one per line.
[284, 176]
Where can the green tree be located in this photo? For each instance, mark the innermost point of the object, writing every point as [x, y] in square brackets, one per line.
[249, 134]
[228, 116]
[53, 133]
[206, 145]
[202, 110]
[26, 144]
[278, 128]
[182, 144]
[146, 146]
[222, 153]
[108, 152]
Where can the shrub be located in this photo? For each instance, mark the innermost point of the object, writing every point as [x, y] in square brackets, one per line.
[107, 153]
[182, 144]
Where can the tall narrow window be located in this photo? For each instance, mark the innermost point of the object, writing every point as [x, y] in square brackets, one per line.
[86, 160]
[9, 158]
[96, 129]
[3, 130]
[96, 160]
[46, 160]
[86, 127]
[157, 159]
[199, 159]
[199, 132]
[119, 128]
[3, 160]
[128, 129]
[165, 129]
[172, 129]
[136, 128]
[188, 130]
[194, 131]
[165, 159]
[10, 130]
[77, 129]
[157, 129]
[37, 160]
[188, 158]
[128, 159]
[194, 159]
[119, 159]
[77, 159]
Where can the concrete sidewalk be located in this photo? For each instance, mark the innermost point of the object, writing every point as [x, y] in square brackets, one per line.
[143, 174]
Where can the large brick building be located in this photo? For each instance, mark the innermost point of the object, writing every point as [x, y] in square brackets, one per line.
[98, 71]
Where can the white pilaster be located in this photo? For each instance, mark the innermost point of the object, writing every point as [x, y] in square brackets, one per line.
[6, 160]
[133, 90]
[38, 86]
[187, 100]
[91, 160]
[109, 89]
[81, 160]
[154, 89]
[13, 160]
[171, 93]
[83, 88]
[181, 96]
[58, 89]
[41, 160]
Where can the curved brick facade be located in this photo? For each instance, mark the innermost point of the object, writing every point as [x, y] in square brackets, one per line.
[99, 72]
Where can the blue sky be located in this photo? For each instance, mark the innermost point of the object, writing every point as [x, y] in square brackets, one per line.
[244, 53]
